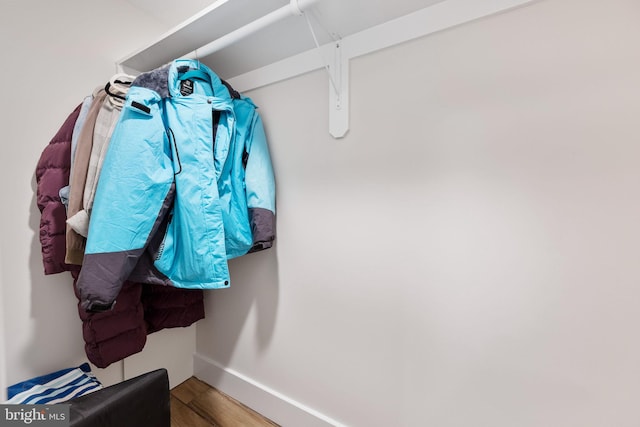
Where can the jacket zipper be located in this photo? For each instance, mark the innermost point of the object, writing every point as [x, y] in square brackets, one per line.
[215, 119]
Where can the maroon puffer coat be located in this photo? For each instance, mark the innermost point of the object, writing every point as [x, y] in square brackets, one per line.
[52, 173]
[141, 308]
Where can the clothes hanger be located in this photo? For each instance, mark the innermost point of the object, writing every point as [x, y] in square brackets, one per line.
[115, 95]
[120, 78]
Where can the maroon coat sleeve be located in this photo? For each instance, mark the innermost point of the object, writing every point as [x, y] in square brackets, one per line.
[52, 173]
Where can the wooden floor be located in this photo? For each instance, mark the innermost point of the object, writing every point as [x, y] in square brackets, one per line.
[196, 404]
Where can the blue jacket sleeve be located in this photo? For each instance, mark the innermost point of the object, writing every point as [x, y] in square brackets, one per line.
[260, 188]
[132, 197]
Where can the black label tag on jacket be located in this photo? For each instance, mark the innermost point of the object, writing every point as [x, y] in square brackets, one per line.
[186, 87]
[141, 107]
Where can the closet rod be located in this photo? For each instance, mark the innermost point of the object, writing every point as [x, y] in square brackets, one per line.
[295, 7]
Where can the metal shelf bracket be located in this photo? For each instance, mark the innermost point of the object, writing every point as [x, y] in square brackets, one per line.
[339, 93]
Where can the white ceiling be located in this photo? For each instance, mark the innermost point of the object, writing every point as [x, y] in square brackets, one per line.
[170, 13]
[330, 18]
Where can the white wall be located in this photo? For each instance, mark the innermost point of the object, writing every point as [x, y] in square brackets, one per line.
[468, 254]
[54, 54]
[3, 370]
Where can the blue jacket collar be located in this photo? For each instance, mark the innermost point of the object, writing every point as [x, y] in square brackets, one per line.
[179, 66]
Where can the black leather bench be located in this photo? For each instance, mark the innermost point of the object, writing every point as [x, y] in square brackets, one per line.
[143, 401]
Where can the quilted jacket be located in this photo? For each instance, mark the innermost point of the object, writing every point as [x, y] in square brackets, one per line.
[52, 174]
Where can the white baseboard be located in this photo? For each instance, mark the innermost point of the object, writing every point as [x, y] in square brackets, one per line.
[268, 402]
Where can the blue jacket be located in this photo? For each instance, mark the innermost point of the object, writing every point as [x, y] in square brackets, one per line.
[186, 184]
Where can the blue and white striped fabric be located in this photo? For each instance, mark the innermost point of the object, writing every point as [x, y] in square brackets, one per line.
[55, 387]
